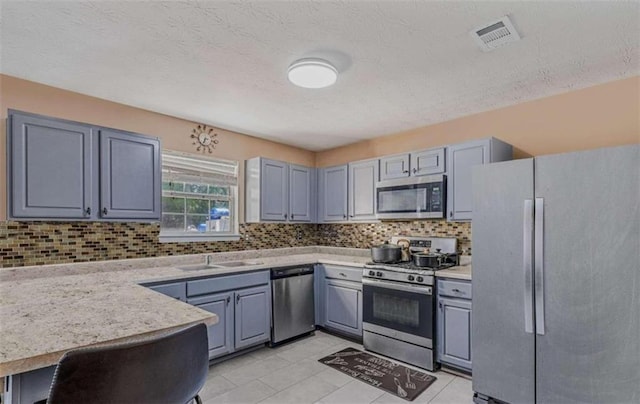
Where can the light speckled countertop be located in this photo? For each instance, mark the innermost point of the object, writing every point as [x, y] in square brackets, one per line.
[46, 311]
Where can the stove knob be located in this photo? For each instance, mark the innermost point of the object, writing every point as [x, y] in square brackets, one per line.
[420, 279]
[379, 274]
[372, 273]
[411, 277]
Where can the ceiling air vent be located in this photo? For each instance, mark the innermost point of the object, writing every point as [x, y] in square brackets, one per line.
[495, 35]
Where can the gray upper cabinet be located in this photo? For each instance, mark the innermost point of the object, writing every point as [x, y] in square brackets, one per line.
[427, 162]
[363, 176]
[461, 158]
[50, 168]
[67, 170]
[301, 193]
[396, 166]
[130, 176]
[274, 201]
[333, 194]
[278, 192]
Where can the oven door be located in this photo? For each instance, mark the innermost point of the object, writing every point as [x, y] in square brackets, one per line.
[399, 310]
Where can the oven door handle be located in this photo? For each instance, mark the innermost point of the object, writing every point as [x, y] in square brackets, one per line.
[427, 290]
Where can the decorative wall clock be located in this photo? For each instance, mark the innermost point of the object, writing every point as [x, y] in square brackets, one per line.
[204, 138]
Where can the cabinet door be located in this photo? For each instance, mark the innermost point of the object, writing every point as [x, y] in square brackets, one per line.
[253, 316]
[454, 332]
[427, 162]
[274, 190]
[460, 160]
[394, 167]
[301, 187]
[130, 176]
[50, 168]
[220, 335]
[362, 190]
[334, 194]
[343, 306]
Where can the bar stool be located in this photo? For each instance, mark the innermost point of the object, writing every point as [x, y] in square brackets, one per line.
[167, 369]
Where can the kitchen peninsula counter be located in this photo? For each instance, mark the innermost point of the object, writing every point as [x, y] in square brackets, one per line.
[46, 311]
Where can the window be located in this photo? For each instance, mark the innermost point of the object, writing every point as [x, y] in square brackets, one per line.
[199, 198]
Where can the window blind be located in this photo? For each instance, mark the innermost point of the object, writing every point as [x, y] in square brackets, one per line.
[183, 167]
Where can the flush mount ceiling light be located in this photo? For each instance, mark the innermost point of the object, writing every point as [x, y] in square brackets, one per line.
[312, 73]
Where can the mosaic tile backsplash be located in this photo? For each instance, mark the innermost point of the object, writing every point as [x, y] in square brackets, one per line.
[41, 243]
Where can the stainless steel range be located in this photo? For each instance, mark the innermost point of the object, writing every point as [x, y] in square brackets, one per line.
[399, 304]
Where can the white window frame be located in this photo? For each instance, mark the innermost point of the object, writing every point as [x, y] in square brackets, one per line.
[172, 236]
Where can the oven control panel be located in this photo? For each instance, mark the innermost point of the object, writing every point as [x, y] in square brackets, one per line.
[421, 279]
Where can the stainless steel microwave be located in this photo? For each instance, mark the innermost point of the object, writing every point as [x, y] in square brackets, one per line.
[421, 197]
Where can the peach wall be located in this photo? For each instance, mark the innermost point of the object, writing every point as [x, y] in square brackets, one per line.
[174, 132]
[599, 116]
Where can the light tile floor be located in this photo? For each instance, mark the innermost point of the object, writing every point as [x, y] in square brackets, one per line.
[292, 374]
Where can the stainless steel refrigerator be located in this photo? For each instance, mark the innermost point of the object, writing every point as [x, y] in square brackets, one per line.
[556, 278]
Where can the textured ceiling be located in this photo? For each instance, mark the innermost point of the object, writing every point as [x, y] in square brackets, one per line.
[403, 64]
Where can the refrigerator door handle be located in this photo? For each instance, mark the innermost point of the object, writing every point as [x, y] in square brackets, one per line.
[539, 265]
[527, 265]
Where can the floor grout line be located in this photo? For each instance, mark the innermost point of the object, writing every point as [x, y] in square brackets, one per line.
[442, 389]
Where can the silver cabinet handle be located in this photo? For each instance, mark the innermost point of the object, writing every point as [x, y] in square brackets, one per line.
[344, 216]
[343, 274]
[237, 299]
[285, 215]
[415, 171]
[538, 265]
[456, 290]
[228, 300]
[527, 264]
[291, 216]
[87, 211]
[104, 211]
[450, 213]
[406, 171]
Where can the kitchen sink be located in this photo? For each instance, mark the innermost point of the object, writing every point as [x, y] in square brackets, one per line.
[230, 264]
[200, 267]
[233, 264]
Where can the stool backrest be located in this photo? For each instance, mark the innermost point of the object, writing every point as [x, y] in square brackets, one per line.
[168, 369]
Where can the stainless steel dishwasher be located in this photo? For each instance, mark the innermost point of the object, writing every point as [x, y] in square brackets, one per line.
[292, 302]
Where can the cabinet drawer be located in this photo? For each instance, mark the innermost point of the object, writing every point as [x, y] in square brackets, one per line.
[343, 273]
[175, 290]
[224, 283]
[454, 289]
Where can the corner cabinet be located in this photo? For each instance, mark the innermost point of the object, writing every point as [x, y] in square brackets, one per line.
[363, 176]
[461, 158]
[333, 190]
[278, 192]
[454, 324]
[68, 170]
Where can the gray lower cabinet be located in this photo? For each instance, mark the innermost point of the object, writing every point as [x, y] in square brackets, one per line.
[252, 316]
[220, 335]
[363, 176]
[333, 193]
[341, 299]
[242, 303]
[454, 324]
[461, 158]
[68, 170]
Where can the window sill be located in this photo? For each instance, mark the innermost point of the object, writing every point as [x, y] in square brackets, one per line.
[196, 237]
